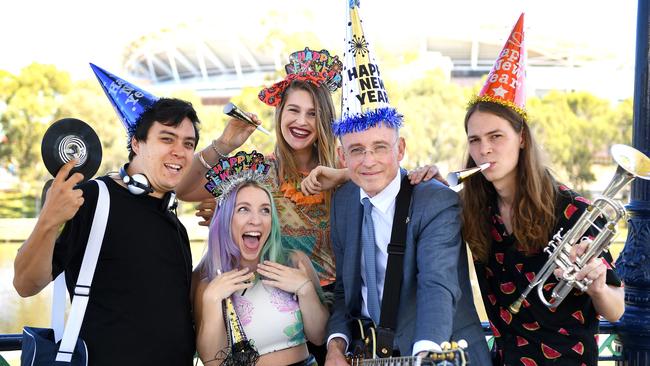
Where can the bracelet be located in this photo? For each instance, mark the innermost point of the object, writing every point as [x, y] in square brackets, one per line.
[295, 293]
[219, 153]
[203, 162]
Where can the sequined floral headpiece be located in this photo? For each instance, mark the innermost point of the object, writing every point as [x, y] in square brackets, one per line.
[316, 67]
[231, 171]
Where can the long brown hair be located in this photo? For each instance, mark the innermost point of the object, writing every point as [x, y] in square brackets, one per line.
[325, 145]
[533, 215]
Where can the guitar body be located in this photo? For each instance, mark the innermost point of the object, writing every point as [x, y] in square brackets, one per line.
[363, 348]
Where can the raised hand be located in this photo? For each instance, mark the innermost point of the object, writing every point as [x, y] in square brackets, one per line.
[237, 132]
[62, 201]
[323, 178]
[205, 210]
[292, 280]
[425, 173]
[225, 284]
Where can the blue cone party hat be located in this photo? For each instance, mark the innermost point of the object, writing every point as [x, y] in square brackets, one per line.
[365, 101]
[128, 100]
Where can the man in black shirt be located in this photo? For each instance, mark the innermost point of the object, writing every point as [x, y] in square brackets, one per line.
[139, 312]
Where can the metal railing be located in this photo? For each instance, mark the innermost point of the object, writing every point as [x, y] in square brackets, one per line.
[609, 350]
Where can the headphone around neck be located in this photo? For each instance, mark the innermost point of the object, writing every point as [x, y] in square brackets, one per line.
[137, 183]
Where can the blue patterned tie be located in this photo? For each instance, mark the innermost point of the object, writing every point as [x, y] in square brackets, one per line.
[369, 254]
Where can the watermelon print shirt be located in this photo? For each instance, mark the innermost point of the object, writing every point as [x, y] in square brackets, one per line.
[537, 335]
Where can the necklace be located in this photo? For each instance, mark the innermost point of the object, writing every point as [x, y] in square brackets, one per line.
[291, 190]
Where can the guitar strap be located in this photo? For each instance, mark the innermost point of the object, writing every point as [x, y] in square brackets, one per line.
[394, 271]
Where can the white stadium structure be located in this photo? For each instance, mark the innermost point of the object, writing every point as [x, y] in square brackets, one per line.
[217, 58]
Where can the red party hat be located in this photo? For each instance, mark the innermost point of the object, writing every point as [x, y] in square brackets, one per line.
[506, 83]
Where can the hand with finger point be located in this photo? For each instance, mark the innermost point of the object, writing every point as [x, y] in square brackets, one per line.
[321, 179]
[237, 132]
[225, 284]
[205, 210]
[292, 280]
[62, 200]
[426, 173]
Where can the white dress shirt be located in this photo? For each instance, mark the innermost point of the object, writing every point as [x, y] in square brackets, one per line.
[383, 212]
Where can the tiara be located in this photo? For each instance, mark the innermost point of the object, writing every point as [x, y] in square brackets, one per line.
[230, 172]
[316, 67]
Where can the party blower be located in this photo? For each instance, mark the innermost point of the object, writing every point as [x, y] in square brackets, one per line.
[234, 112]
[458, 177]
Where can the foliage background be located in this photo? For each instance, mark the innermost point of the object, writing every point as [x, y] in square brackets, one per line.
[575, 128]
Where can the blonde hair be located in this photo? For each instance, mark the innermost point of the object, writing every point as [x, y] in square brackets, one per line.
[533, 215]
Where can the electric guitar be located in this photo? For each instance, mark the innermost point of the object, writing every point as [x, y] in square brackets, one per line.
[364, 351]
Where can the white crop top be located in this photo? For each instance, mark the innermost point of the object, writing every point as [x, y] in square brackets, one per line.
[271, 318]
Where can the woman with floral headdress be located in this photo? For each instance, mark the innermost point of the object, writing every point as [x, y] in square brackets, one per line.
[247, 265]
[304, 140]
[510, 212]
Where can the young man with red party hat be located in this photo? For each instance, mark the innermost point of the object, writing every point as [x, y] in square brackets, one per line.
[510, 213]
[139, 309]
[434, 304]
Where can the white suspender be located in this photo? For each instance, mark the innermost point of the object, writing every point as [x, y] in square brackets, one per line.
[58, 306]
[82, 288]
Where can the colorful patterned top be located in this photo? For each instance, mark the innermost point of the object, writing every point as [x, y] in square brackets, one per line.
[537, 335]
[305, 224]
[261, 303]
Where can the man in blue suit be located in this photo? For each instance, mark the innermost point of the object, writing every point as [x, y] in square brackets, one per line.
[436, 303]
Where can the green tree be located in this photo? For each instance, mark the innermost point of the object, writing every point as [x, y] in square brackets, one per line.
[31, 101]
[574, 129]
[623, 122]
[87, 102]
[434, 109]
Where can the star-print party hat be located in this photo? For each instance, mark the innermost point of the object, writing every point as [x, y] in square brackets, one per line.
[365, 101]
[506, 83]
[316, 67]
[128, 100]
[230, 172]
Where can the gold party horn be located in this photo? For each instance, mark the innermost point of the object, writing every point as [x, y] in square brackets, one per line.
[234, 112]
[458, 177]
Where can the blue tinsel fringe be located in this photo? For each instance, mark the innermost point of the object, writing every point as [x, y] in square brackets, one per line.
[361, 122]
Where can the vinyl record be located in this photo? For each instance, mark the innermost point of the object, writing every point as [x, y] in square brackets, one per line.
[70, 138]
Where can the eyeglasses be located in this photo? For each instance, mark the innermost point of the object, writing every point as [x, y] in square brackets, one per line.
[379, 151]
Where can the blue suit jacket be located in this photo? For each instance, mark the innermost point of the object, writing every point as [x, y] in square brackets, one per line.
[436, 297]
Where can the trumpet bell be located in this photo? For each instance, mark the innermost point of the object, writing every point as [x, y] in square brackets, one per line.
[632, 160]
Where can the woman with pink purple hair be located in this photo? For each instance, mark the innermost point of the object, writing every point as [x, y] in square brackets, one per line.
[276, 299]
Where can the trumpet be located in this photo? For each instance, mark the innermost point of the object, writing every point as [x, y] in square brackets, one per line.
[631, 164]
[457, 177]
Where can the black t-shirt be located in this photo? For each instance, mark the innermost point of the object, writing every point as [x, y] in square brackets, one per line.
[538, 335]
[139, 311]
